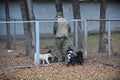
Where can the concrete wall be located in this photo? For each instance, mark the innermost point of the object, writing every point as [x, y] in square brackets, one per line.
[48, 11]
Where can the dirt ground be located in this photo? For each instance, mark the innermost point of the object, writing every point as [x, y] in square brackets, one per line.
[95, 67]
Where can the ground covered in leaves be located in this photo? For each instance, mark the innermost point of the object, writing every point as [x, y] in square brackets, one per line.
[94, 68]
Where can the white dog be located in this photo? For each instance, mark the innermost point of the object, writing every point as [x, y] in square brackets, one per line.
[43, 57]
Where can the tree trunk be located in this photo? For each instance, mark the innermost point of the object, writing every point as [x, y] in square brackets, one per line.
[8, 40]
[32, 25]
[76, 15]
[102, 26]
[27, 29]
[58, 5]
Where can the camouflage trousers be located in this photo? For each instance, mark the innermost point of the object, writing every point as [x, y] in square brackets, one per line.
[61, 46]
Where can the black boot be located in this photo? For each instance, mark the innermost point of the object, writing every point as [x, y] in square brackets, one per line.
[55, 60]
[63, 59]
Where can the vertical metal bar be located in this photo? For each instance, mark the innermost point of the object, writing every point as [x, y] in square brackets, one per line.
[109, 38]
[37, 44]
[85, 37]
[14, 36]
[76, 35]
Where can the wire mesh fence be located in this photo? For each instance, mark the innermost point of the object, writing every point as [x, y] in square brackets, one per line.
[12, 45]
[112, 28]
[115, 35]
[89, 30]
[16, 55]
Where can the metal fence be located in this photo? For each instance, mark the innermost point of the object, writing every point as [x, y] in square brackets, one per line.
[112, 28]
[44, 40]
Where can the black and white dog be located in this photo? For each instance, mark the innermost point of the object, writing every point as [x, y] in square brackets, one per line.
[74, 58]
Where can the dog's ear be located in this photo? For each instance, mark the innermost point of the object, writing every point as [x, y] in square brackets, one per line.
[49, 51]
[80, 52]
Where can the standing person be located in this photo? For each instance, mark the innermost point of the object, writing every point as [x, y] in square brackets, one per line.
[61, 31]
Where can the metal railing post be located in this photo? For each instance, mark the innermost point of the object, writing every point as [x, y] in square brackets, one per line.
[85, 37]
[76, 35]
[14, 36]
[37, 43]
[109, 39]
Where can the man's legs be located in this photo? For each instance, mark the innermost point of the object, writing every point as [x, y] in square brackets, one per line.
[64, 47]
[57, 49]
[61, 46]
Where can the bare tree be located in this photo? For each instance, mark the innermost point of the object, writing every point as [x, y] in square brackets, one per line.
[76, 15]
[27, 15]
[102, 26]
[58, 4]
[8, 40]
[31, 17]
